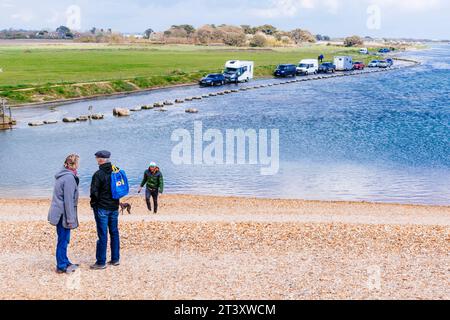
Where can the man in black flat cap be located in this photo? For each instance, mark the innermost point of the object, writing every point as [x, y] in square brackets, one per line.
[106, 212]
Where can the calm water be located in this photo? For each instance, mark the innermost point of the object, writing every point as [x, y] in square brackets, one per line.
[382, 137]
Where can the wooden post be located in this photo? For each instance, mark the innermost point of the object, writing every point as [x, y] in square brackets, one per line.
[6, 121]
[3, 112]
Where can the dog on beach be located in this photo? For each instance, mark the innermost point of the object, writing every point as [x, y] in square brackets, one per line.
[125, 206]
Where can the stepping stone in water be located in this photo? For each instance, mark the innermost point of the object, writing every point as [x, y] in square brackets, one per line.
[97, 116]
[69, 120]
[36, 123]
[121, 112]
[191, 110]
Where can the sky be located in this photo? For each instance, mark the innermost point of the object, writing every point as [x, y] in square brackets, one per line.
[337, 18]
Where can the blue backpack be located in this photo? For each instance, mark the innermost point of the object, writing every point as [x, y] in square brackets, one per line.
[119, 183]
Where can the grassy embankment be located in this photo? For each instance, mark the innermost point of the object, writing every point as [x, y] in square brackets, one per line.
[53, 72]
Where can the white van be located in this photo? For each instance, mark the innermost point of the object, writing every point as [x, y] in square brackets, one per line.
[239, 71]
[343, 63]
[308, 66]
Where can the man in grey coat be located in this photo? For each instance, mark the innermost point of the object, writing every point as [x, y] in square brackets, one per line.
[63, 211]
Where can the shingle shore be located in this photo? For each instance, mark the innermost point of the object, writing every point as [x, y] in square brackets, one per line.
[220, 248]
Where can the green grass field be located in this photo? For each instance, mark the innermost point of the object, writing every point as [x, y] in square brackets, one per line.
[43, 73]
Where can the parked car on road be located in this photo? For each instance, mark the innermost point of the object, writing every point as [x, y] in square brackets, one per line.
[364, 51]
[308, 66]
[383, 64]
[390, 62]
[327, 67]
[239, 71]
[359, 65]
[384, 50]
[286, 70]
[215, 79]
[374, 64]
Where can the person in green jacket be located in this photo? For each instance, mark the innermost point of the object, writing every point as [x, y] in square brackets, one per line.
[154, 181]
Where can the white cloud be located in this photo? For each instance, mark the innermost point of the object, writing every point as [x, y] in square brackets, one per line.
[290, 8]
[6, 4]
[412, 5]
[24, 16]
[284, 8]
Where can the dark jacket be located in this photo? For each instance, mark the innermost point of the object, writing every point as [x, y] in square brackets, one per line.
[153, 181]
[101, 195]
[65, 200]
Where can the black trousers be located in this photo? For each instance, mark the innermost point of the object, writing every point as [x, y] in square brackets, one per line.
[151, 193]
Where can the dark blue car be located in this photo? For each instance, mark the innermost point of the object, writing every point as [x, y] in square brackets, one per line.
[215, 79]
[327, 67]
[286, 70]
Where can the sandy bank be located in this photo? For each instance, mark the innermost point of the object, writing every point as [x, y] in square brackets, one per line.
[224, 247]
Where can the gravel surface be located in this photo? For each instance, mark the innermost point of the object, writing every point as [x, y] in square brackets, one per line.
[201, 247]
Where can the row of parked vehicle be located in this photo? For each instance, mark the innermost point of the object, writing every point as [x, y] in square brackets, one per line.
[366, 51]
[235, 71]
[341, 63]
[242, 71]
[381, 63]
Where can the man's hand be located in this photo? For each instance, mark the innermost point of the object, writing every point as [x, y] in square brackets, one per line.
[140, 189]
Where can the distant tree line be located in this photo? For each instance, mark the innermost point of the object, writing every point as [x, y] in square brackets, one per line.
[210, 34]
[62, 32]
[243, 35]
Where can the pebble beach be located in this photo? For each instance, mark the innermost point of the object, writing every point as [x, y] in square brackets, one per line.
[205, 247]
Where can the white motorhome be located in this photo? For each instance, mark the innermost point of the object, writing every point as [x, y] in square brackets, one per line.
[308, 66]
[343, 63]
[239, 71]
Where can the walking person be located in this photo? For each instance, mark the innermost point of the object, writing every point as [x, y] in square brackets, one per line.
[63, 211]
[154, 182]
[106, 212]
[321, 57]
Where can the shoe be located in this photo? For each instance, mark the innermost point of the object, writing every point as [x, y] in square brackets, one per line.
[114, 263]
[60, 271]
[72, 268]
[98, 266]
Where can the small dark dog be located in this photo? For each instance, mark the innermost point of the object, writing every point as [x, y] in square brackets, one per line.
[125, 206]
